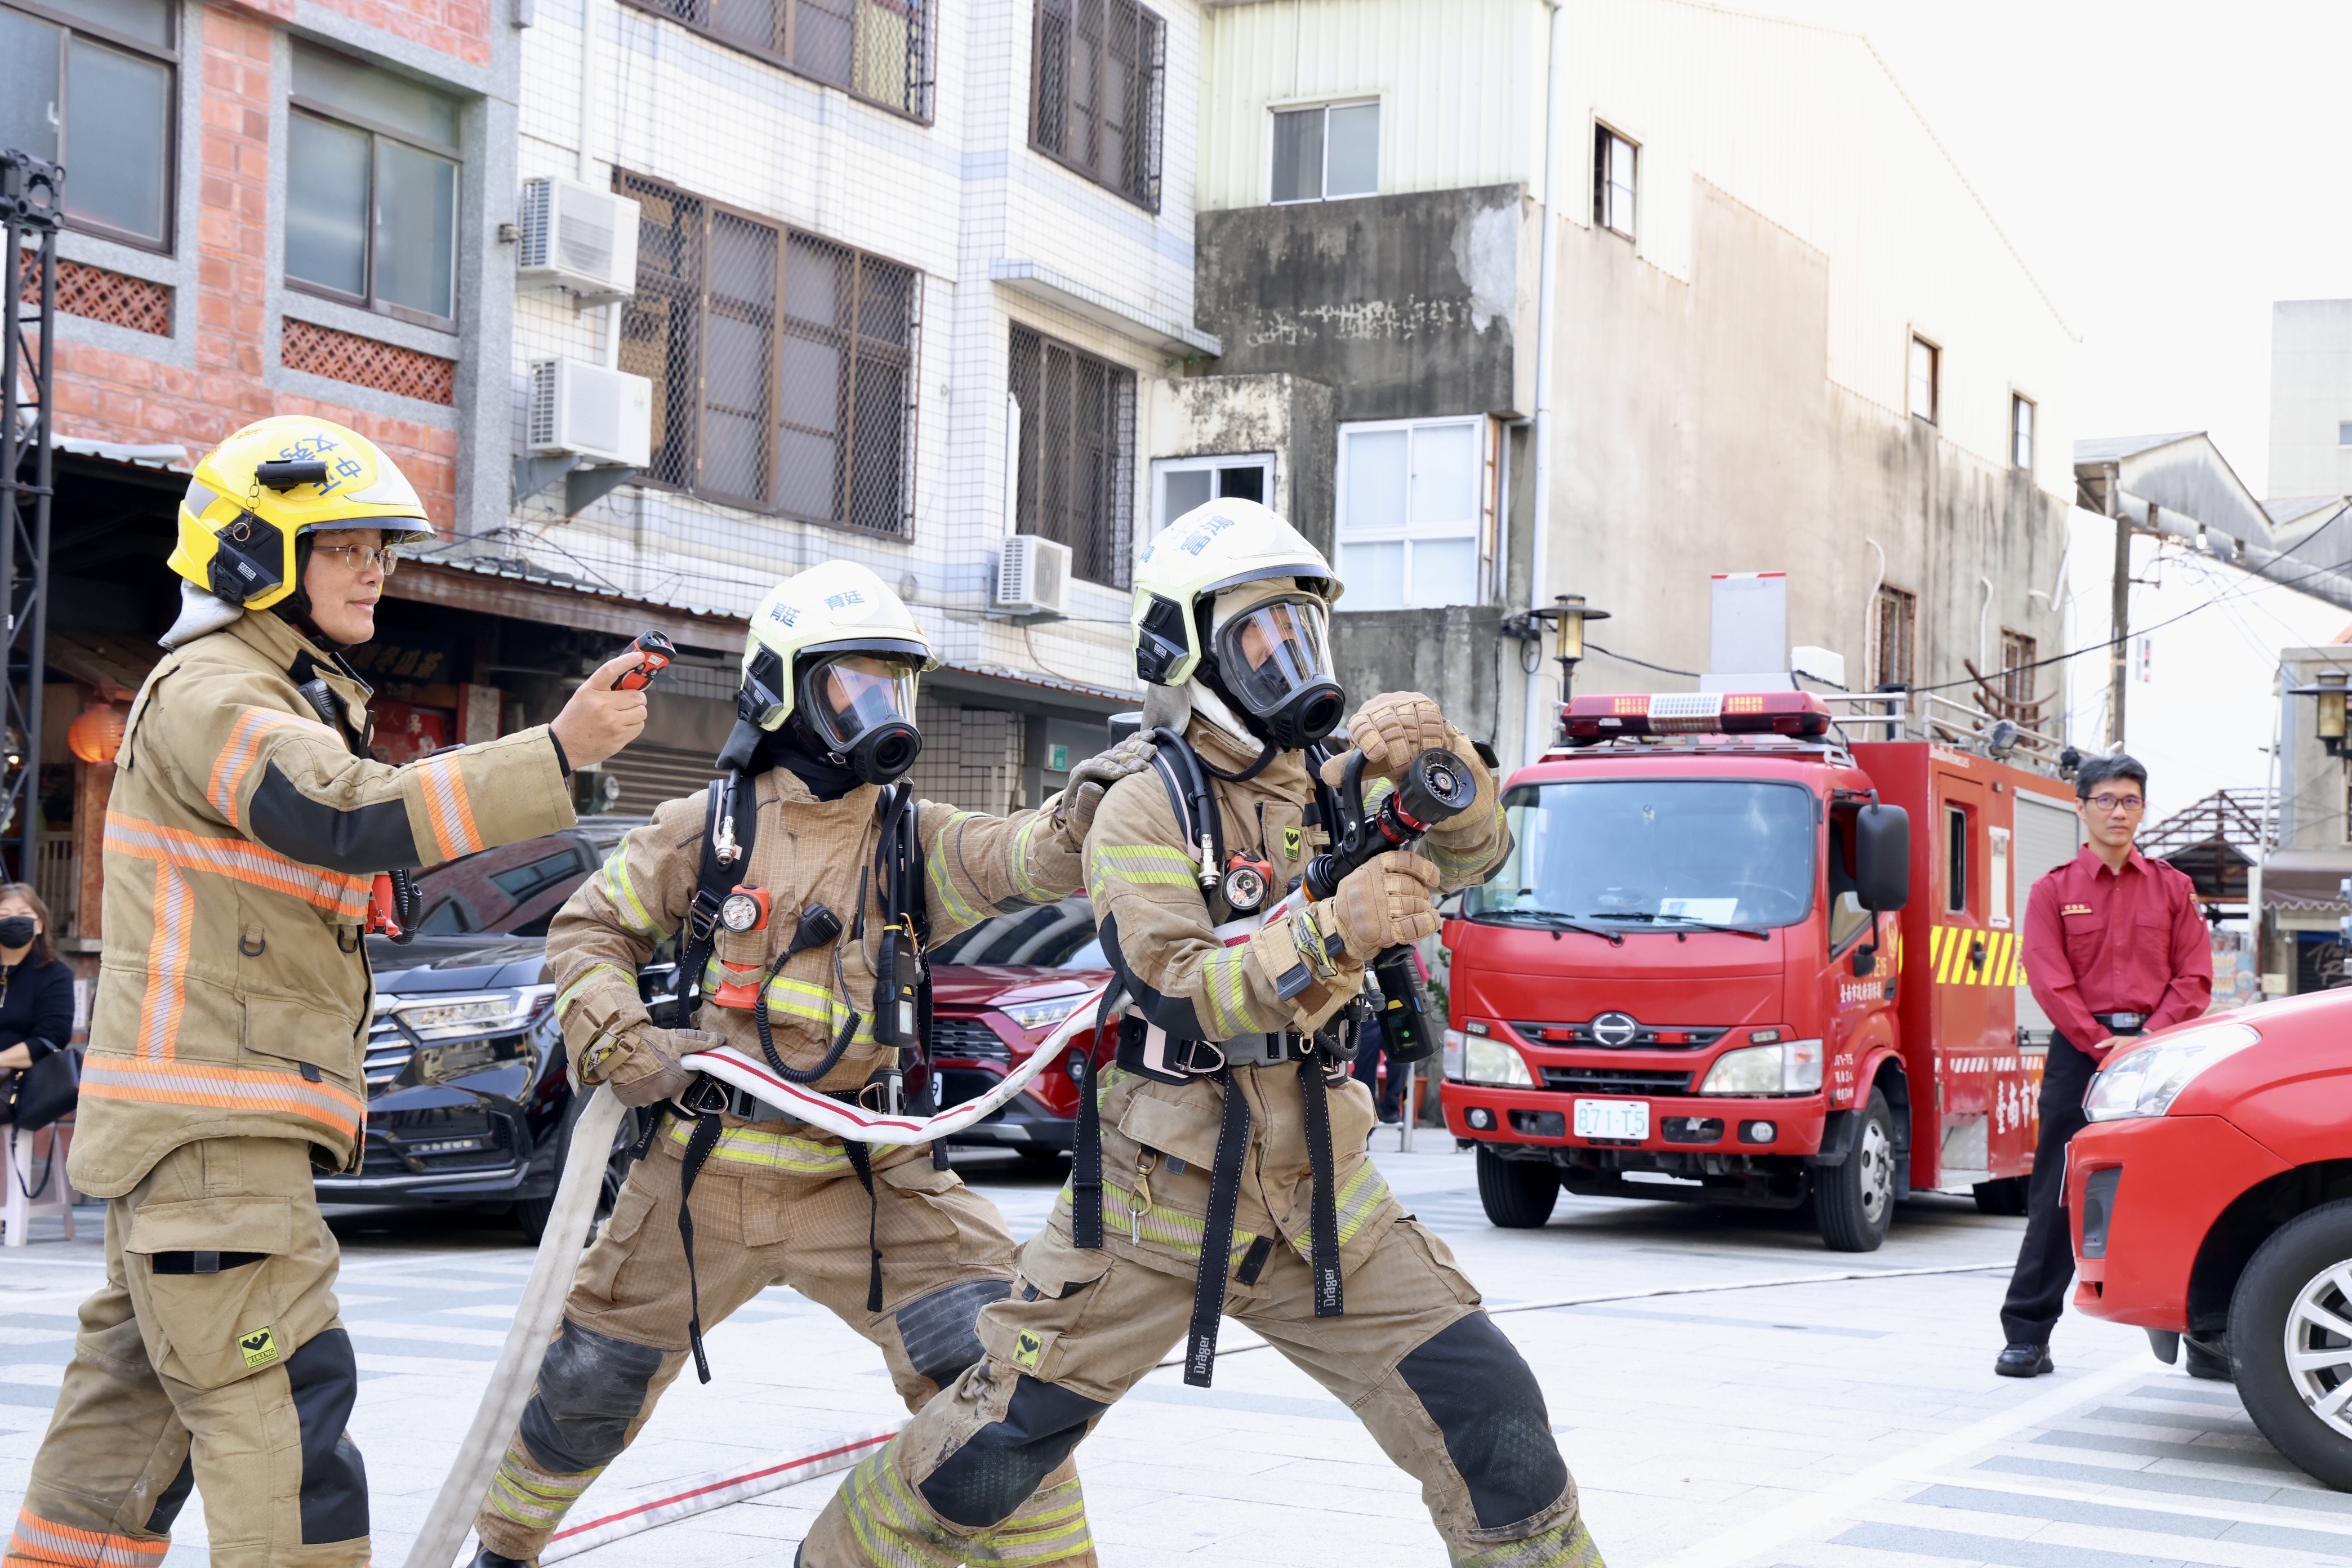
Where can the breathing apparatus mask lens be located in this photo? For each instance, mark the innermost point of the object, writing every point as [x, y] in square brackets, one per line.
[863, 709]
[1275, 658]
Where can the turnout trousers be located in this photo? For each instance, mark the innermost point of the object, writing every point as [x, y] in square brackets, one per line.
[211, 1359]
[770, 1207]
[1440, 1389]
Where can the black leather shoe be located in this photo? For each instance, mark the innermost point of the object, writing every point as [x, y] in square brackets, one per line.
[485, 1558]
[2022, 1361]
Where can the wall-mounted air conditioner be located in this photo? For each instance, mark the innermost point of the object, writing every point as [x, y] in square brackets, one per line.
[578, 237]
[1032, 577]
[582, 408]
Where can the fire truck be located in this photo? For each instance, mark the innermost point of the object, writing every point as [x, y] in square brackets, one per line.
[1739, 956]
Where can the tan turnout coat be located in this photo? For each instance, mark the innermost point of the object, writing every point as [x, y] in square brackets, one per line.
[241, 847]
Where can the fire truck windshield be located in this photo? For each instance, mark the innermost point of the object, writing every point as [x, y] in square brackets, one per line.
[1661, 853]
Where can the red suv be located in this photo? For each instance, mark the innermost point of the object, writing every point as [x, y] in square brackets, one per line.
[2212, 1197]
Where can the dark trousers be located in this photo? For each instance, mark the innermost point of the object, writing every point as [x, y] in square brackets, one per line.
[1371, 1045]
[2045, 1261]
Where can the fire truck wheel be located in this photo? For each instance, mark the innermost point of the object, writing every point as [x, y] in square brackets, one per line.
[1854, 1203]
[2287, 1345]
[1517, 1194]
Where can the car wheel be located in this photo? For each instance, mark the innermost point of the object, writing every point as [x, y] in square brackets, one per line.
[2005, 1196]
[2289, 1344]
[1517, 1194]
[1854, 1203]
[531, 1214]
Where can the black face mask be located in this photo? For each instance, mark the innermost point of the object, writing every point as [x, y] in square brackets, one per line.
[17, 931]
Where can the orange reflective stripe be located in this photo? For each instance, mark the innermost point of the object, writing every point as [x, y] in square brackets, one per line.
[236, 759]
[240, 858]
[221, 1088]
[167, 965]
[44, 1541]
[448, 807]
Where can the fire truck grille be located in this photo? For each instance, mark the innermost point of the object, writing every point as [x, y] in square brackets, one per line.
[1616, 1080]
[1646, 1036]
[966, 1040]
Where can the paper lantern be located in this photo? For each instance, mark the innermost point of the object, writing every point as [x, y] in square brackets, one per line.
[96, 734]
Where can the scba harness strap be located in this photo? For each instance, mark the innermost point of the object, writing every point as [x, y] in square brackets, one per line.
[1146, 1051]
[902, 1001]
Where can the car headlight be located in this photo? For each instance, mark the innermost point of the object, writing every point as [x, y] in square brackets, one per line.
[466, 1014]
[1792, 1067]
[2145, 1081]
[1492, 1061]
[1452, 1064]
[1044, 1013]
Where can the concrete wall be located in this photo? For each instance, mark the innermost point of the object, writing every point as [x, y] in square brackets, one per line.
[1286, 415]
[1455, 654]
[1407, 306]
[2311, 397]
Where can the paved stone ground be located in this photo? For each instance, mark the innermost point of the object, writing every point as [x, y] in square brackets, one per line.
[1826, 1423]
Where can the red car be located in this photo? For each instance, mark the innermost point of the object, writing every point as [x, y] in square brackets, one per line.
[2212, 1200]
[997, 990]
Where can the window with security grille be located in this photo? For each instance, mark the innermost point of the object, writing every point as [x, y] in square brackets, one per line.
[1076, 416]
[1894, 632]
[1101, 69]
[2018, 654]
[879, 50]
[783, 363]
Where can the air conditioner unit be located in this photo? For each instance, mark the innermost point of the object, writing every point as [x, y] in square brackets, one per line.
[1032, 577]
[578, 237]
[586, 409]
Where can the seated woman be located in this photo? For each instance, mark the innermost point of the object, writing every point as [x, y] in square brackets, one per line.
[36, 986]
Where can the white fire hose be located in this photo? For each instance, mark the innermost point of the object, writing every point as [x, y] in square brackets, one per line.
[452, 1516]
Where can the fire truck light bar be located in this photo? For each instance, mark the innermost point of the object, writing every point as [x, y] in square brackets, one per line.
[1592, 720]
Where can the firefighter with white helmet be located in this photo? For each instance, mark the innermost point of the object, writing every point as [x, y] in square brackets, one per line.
[245, 831]
[802, 889]
[1224, 1171]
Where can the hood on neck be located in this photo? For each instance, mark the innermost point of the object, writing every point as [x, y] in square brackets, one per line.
[201, 613]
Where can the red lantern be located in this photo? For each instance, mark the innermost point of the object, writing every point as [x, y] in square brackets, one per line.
[96, 734]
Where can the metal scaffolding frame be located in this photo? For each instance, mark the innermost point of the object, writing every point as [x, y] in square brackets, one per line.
[32, 204]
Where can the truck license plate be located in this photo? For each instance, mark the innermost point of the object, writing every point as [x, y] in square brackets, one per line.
[1612, 1118]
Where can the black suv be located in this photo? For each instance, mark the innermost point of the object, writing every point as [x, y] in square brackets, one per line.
[467, 1101]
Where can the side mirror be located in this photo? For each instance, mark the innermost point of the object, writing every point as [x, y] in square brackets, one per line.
[1882, 858]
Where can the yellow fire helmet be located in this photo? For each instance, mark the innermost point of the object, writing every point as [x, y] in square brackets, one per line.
[274, 480]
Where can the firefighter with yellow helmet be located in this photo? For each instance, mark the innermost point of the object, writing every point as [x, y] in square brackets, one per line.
[802, 889]
[245, 831]
[1226, 1172]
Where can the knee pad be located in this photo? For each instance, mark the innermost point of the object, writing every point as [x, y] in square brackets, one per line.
[996, 1468]
[940, 1332]
[590, 1387]
[1479, 1390]
[324, 1379]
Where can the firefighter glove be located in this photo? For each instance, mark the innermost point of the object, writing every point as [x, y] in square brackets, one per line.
[1072, 810]
[1384, 903]
[649, 1073]
[1391, 729]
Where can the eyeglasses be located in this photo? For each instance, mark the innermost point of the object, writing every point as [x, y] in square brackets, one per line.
[358, 558]
[2116, 803]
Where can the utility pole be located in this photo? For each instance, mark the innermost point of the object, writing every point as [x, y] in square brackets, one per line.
[2119, 611]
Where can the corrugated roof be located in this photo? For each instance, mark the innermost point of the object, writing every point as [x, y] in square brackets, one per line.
[2109, 448]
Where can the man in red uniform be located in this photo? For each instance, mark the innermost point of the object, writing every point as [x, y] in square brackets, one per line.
[2113, 946]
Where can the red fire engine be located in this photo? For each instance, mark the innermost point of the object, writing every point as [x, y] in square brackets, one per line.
[1736, 958]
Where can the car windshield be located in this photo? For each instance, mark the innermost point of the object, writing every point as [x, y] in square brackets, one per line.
[511, 891]
[1668, 853]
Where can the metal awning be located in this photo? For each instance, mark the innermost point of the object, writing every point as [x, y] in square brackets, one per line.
[2176, 483]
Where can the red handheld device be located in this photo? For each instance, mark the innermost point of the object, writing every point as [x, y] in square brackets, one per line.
[655, 652]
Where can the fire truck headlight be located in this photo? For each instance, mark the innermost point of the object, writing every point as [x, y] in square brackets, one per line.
[1755, 1070]
[2145, 1081]
[1492, 1061]
[1801, 1071]
[1454, 1048]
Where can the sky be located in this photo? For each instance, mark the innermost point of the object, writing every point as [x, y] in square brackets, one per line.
[2166, 170]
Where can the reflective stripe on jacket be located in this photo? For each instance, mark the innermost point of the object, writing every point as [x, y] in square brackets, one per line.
[242, 842]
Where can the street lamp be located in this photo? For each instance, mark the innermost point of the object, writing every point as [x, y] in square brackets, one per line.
[1568, 612]
[2329, 689]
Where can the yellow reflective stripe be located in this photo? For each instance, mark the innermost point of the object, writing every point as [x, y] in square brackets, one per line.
[624, 895]
[571, 993]
[1451, 865]
[801, 998]
[776, 1150]
[1222, 983]
[535, 1499]
[889, 1523]
[961, 910]
[1141, 865]
[1037, 1532]
[1028, 887]
[1356, 1202]
[1177, 1231]
[1566, 1544]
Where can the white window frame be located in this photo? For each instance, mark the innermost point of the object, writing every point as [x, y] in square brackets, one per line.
[1932, 413]
[1480, 525]
[1215, 462]
[2343, 432]
[1323, 175]
[2019, 402]
[1605, 214]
